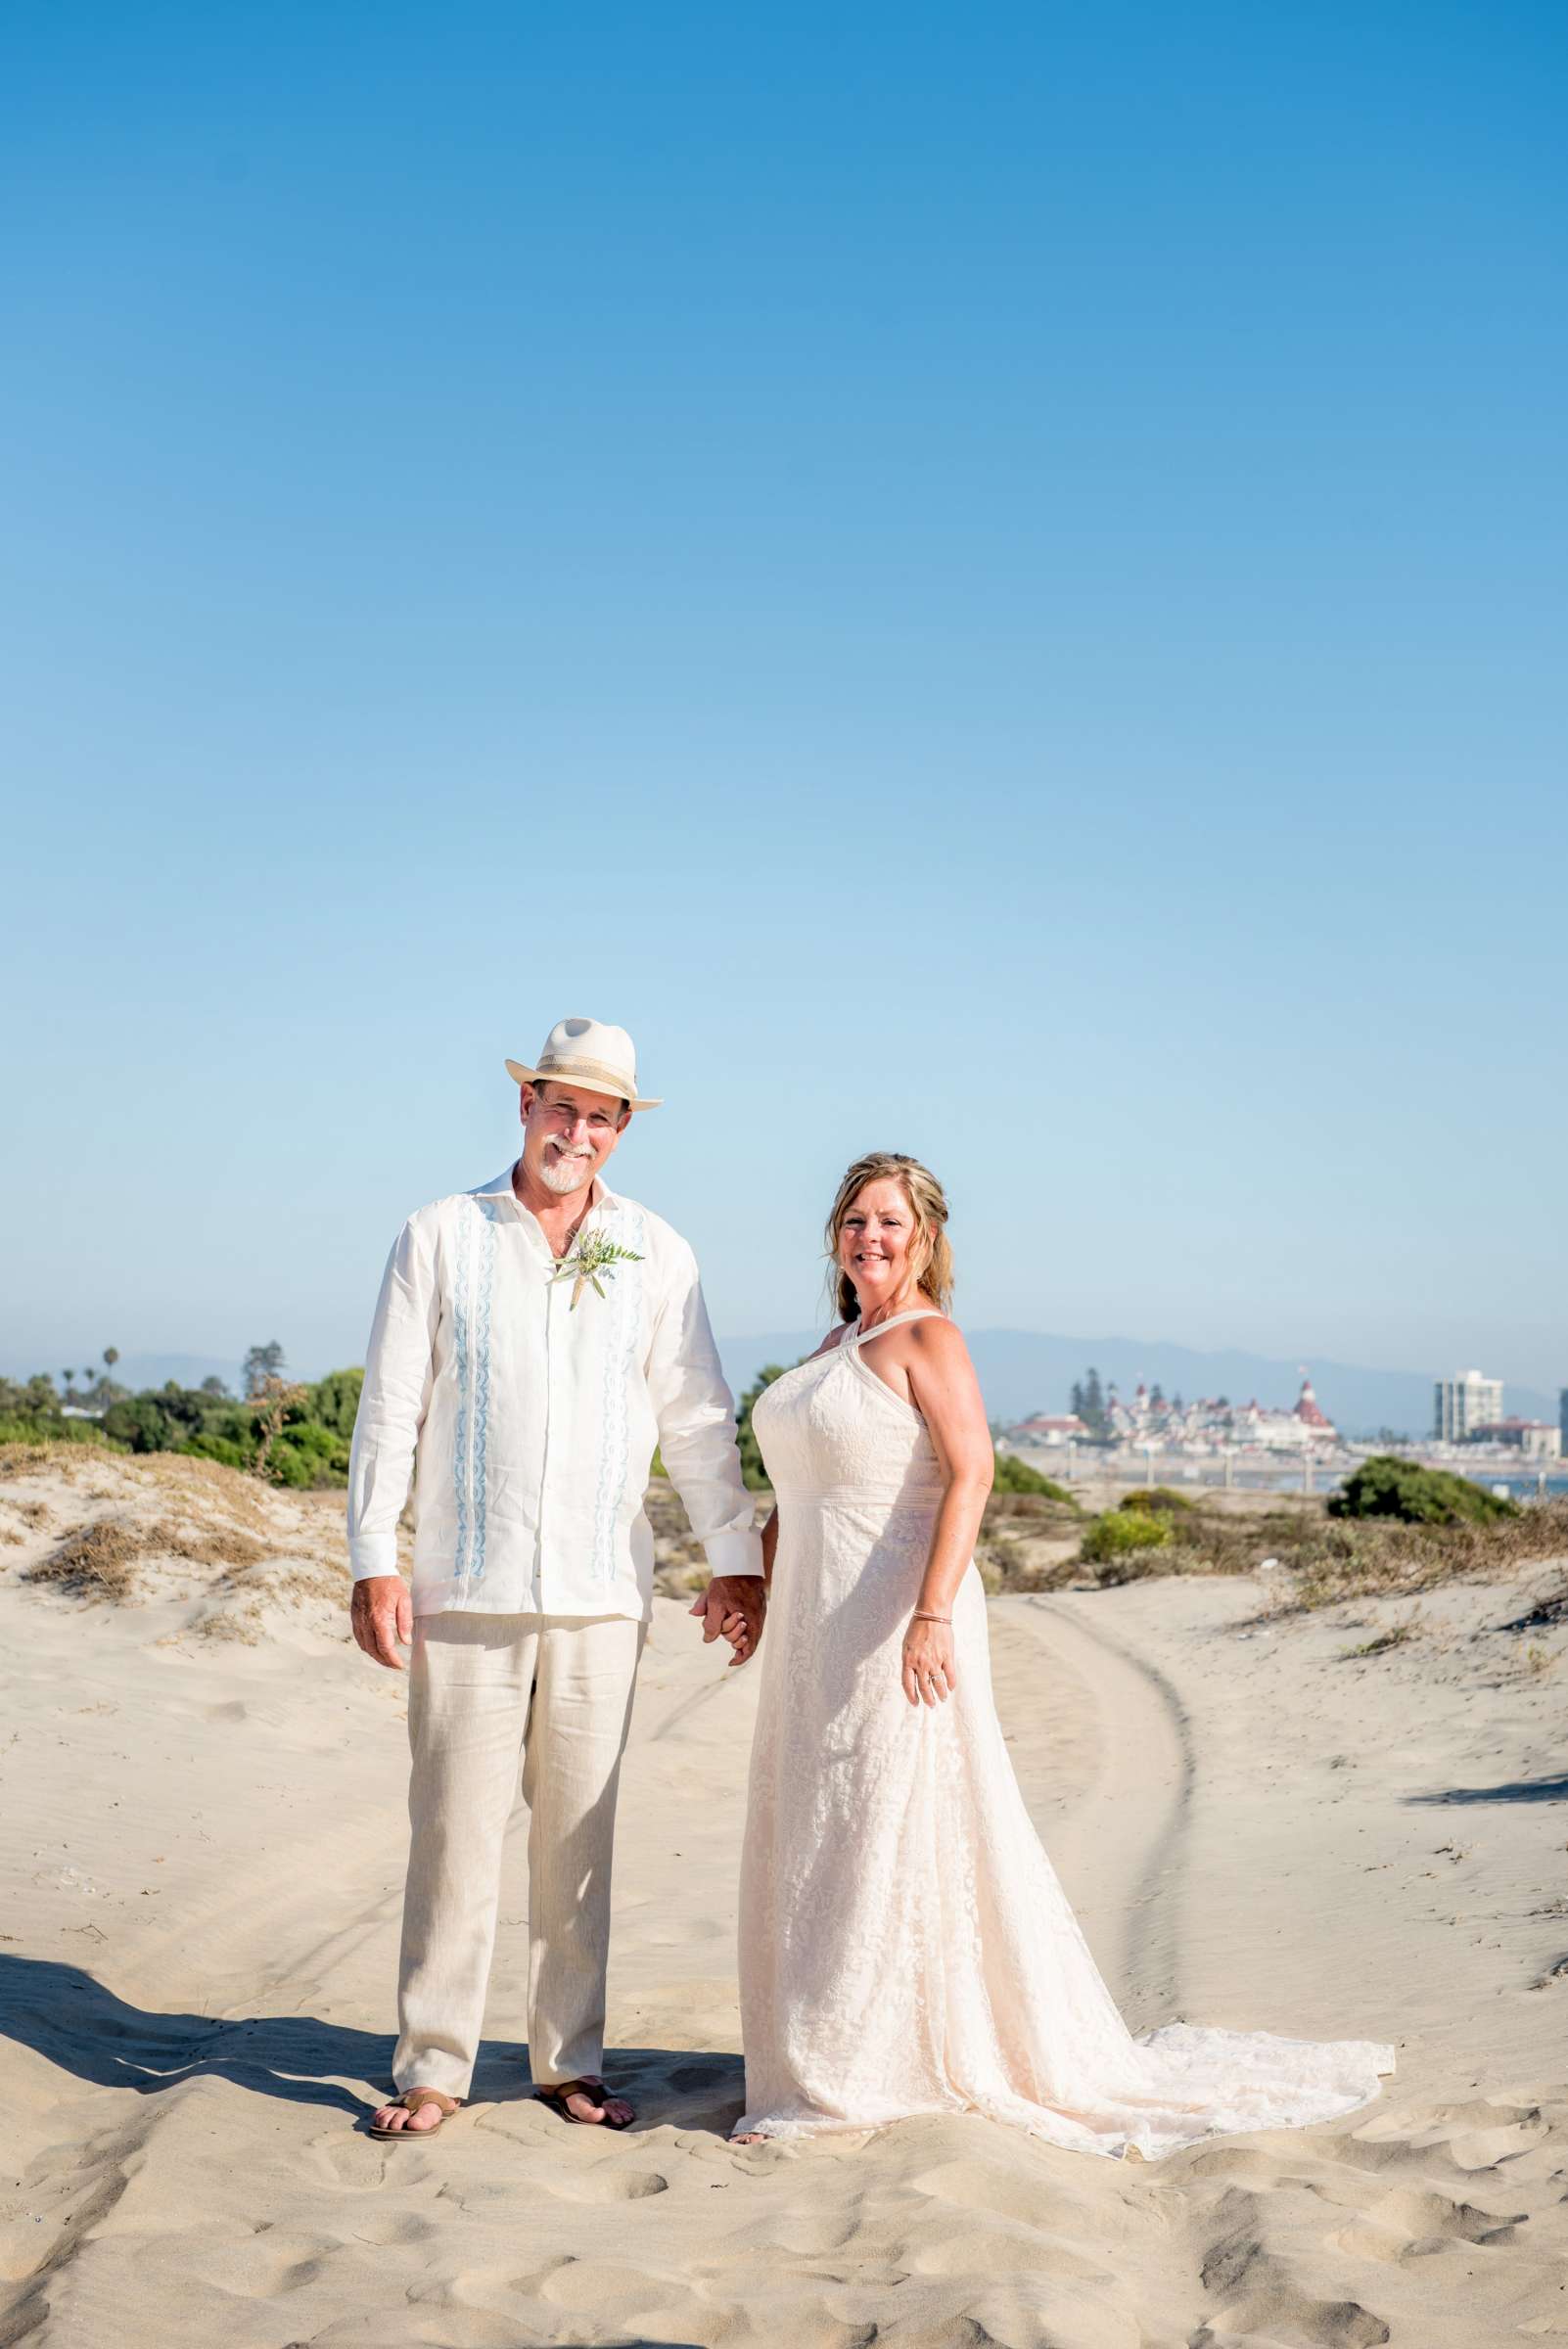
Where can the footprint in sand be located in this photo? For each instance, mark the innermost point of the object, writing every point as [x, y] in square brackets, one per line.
[1474, 2136]
[608, 2183]
[262, 2266]
[1003, 2250]
[1407, 2224]
[601, 2289]
[392, 2229]
[356, 2162]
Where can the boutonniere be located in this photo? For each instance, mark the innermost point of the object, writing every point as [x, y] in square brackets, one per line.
[591, 1263]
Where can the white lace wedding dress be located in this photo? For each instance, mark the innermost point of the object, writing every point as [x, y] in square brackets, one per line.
[904, 1944]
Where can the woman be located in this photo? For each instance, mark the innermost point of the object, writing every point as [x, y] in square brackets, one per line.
[904, 1944]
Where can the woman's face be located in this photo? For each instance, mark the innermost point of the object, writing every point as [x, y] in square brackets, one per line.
[875, 1239]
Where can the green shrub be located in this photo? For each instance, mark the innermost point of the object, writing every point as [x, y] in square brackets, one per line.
[310, 1426]
[287, 1465]
[335, 1399]
[1013, 1475]
[1121, 1531]
[307, 1454]
[141, 1424]
[1158, 1497]
[219, 1447]
[14, 1430]
[754, 1475]
[1387, 1487]
[231, 1423]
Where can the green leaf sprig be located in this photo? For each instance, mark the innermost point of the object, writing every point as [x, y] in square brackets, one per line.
[592, 1255]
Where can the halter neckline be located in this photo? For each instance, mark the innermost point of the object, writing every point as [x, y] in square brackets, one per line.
[913, 1312]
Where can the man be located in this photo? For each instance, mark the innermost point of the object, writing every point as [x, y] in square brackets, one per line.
[532, 1342]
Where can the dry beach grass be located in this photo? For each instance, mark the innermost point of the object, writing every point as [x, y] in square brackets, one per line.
[1342, 1817]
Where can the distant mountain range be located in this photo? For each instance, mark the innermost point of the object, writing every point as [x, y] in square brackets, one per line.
[1024, 1370]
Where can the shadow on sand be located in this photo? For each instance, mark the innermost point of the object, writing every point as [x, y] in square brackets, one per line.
[1513, 1790]
[70, 2018]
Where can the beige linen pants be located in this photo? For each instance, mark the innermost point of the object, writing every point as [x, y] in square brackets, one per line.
[489, 1694]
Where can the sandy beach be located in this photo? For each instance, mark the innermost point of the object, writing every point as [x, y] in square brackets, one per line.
[204, 1845]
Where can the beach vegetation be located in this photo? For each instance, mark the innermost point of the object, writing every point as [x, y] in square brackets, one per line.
[16, 1428]
[754, 1475]
[1013, 1475]
[1395, 1635]
[1122, 1534]
[292, 1435]
[1158, 1498]
[1386, 1487]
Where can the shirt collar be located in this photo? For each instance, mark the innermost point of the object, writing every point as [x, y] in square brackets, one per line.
[600, 1196]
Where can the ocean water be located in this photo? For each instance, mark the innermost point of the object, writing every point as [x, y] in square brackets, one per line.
[1524, 1484]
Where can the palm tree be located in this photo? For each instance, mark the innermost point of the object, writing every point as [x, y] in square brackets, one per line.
[110, 1355]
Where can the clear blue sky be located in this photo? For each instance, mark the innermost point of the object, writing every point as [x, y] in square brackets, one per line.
[989, 582]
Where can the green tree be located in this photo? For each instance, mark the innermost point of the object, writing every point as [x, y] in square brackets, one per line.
[335, 1399]
[110, 1357]
[262, 1364]
[1090, 1404]
[753, 1472]
[141, 1424]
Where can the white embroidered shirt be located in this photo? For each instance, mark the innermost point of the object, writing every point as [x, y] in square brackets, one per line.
[533, 1420]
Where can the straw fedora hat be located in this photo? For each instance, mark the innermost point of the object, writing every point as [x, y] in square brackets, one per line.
[585, 1053]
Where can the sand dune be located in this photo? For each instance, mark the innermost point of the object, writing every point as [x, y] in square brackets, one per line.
[204, 1828]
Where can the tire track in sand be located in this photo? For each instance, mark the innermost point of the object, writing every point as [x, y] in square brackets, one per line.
[1120, 1847]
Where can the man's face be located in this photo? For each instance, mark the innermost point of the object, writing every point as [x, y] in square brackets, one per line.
[568, 1133]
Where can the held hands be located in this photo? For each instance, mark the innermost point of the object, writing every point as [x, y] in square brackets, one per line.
[732, 1608]
[929, 1666]
[382, 1618]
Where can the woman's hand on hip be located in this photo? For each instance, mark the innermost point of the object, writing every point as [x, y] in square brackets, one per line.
[930, 1665]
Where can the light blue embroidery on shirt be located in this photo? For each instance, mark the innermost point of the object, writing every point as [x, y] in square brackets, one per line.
[620, 1348]
[490, 1208]
[461, 1364]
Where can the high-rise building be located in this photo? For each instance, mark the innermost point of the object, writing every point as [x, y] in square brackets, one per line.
[1462, 1404]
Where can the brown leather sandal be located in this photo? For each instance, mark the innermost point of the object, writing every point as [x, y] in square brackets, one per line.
[556, 2099]
[415, 2101]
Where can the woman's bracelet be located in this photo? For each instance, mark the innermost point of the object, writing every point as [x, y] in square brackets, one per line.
[922, 1615]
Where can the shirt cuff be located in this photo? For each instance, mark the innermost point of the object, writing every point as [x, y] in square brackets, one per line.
[372, 1554]
[734, 1552]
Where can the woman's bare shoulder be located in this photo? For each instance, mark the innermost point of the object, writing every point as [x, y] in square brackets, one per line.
[935, 1349]
[935, 1336]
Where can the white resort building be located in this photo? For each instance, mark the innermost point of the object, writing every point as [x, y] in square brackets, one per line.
[1461, 1405]
[1212, 1424]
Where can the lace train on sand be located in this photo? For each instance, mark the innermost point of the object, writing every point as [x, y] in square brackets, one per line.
[905, 1946]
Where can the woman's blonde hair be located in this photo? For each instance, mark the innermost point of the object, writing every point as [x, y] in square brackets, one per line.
[929, 1252]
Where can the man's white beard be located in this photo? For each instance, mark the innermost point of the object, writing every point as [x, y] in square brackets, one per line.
[564, 1176]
